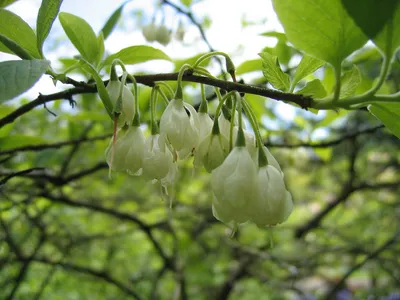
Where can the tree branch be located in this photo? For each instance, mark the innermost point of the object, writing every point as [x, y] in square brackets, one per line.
[150, 80]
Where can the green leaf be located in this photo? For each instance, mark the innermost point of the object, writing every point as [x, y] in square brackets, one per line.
[190, 60]
[100, 52]
[349, 82]
[4, 3]
[324, 153]
[314, 89]
[18, 31]
[47, 14]
[273, 73]
[279, 35]
[187, 3]
[249, 66]
[112, 21]
[15, 48]
[389, 114]
[360, 11]
[137, 54]
[320, 28]
[388, 40]
[101, 89]
[81, 35]
[17, 76]
[308, 65]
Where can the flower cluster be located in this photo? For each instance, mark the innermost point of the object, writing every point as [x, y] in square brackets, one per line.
[246, 180]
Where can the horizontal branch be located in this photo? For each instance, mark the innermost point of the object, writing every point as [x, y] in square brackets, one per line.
[324, 144]
[150, 80]
[55, 145]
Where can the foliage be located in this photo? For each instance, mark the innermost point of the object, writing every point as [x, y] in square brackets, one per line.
[71, 231]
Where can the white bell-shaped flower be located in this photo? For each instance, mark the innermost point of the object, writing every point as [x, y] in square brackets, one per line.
[225, 125]
[273, 203]
[128, 101]
[205, 125]
[135, 155]
[158, 161]
[150, 32]
[116, 157]
[180, 127]
[211, 152]
[234, 186]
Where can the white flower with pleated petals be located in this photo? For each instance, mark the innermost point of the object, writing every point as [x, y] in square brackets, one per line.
[158, 161]
[273, 203]
[211, 152]
[121, 149]
[180, 127]
[234, 186]
[134, 157]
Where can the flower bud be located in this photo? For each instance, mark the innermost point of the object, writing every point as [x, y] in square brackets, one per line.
[181, 129]
[163, 35]
[234, 186]
[150, 32]
[128, 105]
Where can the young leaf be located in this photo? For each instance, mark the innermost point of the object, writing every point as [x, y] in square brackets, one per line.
[249, 66]
[14, 47]
[47, 13]
[81, 35]
[314, 89]
[350, 81]
[137, 54]
[360, 11]
[101, 89]
[308, 65]
[388, 40]
[17, 76]
[100, 52]
[112, 21]
[273, 73]
[389, 114]
[320, 28]
[18, 31]
[4, 3]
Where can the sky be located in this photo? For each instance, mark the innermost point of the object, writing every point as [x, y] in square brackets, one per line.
[225, 33]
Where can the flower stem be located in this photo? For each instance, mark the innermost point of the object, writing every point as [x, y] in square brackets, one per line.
[153, 102]
[179, 92]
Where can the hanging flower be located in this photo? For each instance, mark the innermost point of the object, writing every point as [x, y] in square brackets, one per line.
[135, 155]
[163, 35]
[234, 186]
[180, 127]
[150, 32]
[158, 161]
[128, 101]
[116, 158]
[273, 203]
[205, 125]
[211, 152]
